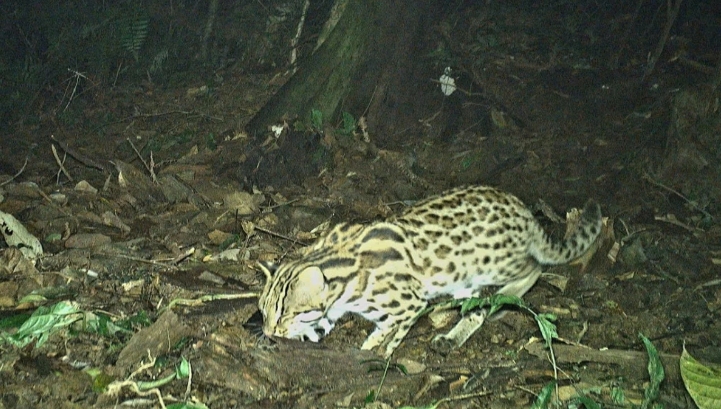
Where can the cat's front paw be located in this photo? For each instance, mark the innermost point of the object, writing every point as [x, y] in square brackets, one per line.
[443, 344]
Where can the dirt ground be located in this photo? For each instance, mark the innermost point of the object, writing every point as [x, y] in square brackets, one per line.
[164, 246]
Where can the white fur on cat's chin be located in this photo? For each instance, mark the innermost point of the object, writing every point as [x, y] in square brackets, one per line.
[304, 326]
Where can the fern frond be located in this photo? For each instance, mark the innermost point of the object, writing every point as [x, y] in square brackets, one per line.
[134, 31]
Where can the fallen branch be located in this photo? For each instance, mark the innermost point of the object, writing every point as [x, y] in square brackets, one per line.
[149, 168]
[80, 158]
[671, 14]
[61, 164]
[632, 363]
[17, 174]
[669, 189]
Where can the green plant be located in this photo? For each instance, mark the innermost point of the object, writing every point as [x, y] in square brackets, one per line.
[133, 32]
[44, 322]
[495, 303]
[703, 382]
[378, 365]
[158, 61]
[655, 372]
[498, 301]
[349, 124]
[618, 396]
[544, 397]
[316, 120]
[210, 142]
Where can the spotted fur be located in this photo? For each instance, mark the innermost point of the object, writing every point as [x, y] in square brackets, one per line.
[454, 244]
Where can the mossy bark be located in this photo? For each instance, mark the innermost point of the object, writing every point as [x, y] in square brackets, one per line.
[324, 80]
[364, 67]
[370, 39]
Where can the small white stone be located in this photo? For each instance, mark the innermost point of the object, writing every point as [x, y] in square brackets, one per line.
[85, 187]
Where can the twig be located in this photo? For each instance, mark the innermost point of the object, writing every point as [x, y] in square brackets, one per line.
[197, 302]
[706, 69]
[190, 382]
[464, 396]
[671, 219]
[60, 164]
[17, 174]
[139, 115]
[208, 31]
[671, 14]
[268, 209]
[77, 77]
[182, 256]
[152, 168]
[116, 387]
[80, 158]
[147, 167]
[669, 189]
[717, 77]
[117, 73]
[614, 63]
[383, 378]
[170, 113]
[142, 260]
[263, 5]
[280, 236]
[298, 32]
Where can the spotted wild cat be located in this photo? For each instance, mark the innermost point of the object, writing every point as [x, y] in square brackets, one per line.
[453, 244]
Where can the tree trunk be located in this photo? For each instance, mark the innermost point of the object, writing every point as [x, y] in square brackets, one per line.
[361, 68]
[371, 39]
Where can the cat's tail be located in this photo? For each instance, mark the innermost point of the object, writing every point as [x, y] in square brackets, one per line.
[547, 251]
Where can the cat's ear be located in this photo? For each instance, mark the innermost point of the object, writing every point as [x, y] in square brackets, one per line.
[309, 288]
[268, 269]
[312, 279]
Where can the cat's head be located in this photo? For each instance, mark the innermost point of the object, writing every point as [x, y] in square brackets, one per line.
[293, 301]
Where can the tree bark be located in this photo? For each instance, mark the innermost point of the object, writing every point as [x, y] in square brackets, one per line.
[364, 67]
[370, 43]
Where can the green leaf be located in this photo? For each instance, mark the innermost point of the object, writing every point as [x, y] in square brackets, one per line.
[466, 163]
[14, 321]
[147, 385]
[232, 239]
[316, 120]
[548, 329]
[370, 397]
[702, 382]
[44, 322]
[140, 318]
[588, 403]
[101, 380]
[133, 31]
[102, 324]
[349, 124]
[473, 303]
[33, 299]
[655, 372]
[183, 370]
[544, 397]
[499, 300]
[496, 302]
[618, 396]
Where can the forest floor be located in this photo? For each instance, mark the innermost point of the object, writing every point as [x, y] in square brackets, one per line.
[150, 259]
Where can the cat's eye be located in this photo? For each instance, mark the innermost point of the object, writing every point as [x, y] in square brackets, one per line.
[309, 316]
